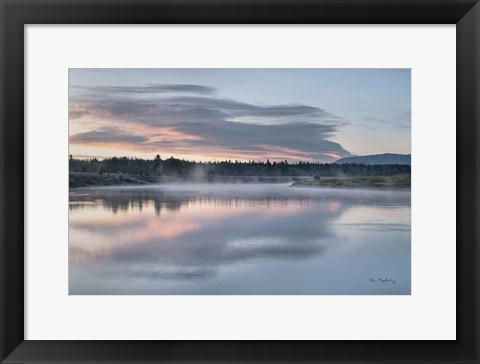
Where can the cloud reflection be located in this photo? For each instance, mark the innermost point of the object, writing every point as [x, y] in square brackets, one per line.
[184, 233]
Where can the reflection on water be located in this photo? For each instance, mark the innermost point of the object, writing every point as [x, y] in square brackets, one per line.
[238, 239]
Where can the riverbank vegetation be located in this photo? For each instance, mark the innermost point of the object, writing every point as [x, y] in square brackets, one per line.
[388, 182]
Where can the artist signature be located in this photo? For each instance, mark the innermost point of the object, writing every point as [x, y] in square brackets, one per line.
[382, 280]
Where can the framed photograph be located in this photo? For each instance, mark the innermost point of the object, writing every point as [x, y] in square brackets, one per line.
[239, 181]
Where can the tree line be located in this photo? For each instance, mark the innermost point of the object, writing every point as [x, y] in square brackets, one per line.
[185, 168]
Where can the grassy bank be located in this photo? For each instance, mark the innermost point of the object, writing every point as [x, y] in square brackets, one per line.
[88, 179]
[85, 179]
[381, 182]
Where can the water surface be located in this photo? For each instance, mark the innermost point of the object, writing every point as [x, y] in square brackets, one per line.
[238, 239]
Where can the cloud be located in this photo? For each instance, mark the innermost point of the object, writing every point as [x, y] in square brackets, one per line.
[149, 88]
[290, 140]
[72, 114]
[195, 108]
[400, 119]
[210, 126]
[106, 136]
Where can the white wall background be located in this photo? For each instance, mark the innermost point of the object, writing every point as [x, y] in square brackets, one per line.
[429, 313]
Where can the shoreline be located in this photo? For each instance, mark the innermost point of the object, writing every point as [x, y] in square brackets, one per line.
[86, 179]
[399, 182]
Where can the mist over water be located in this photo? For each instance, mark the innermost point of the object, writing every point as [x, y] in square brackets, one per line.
[238, 239]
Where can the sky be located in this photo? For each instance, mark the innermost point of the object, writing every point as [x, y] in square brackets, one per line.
[244, 114]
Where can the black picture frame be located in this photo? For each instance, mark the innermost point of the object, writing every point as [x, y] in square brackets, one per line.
[15, 14]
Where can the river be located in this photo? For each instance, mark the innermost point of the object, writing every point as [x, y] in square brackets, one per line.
[244, 239]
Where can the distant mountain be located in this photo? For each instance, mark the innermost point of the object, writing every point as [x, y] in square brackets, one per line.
[387, 158]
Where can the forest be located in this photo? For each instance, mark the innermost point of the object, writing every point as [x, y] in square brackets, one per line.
[186, 169]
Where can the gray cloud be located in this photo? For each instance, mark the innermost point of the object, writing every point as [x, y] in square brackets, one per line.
[395, 120]
[309, 138]
[286, 131]
[72, 114]
[149, 88]
[106, 136]
[236, 108]
[194, 108]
